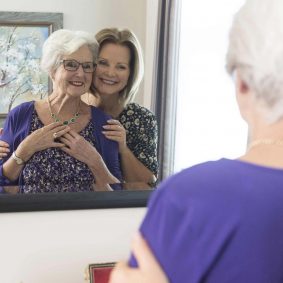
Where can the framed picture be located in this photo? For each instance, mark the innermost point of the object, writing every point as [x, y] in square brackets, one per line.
[21, 38]
[99, 272]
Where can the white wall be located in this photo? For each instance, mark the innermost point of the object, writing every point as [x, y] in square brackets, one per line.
[49, 247]
[56, 247]
[93, 15]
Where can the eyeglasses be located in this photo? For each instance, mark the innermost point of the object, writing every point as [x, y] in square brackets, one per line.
[73, 65]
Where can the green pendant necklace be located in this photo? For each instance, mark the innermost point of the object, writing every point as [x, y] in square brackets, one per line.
[55, 118]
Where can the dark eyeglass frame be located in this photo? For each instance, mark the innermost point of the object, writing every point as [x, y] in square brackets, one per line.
[64, 61]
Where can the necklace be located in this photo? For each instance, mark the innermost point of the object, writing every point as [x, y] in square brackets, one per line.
[55, 117]
[265, 142]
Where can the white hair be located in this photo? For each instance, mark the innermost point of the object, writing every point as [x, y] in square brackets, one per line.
[64, 42]
[256, 51]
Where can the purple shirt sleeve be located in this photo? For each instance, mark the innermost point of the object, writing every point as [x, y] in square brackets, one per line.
[108, 149]
[15, 129]
[218, 222]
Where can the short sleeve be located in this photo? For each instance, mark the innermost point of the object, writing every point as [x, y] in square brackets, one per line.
[185, 226]
[163, 229]
[142, 134]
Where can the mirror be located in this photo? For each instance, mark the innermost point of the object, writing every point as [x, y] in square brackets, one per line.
[139, 16]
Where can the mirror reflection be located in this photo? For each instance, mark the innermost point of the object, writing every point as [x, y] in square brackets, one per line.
[87, 135]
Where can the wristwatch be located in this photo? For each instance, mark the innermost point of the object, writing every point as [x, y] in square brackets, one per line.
[18, 160]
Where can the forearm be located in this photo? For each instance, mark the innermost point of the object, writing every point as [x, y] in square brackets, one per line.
[134, 171]
[103, 176]
[11, 169]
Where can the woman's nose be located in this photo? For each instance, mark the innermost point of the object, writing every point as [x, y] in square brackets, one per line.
[80, 70]
[111, 71]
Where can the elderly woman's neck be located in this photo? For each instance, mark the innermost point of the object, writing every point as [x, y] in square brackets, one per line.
[264, 130]
[64, 102]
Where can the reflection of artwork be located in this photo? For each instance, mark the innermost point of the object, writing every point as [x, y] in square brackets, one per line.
[21, 38]
[20, 76]
[99, 272]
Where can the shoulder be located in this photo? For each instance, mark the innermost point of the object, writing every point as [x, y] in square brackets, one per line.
[23, 110]
[137, 110]
[23, 107]
[136, 115]
[213, 181]
[18, 120]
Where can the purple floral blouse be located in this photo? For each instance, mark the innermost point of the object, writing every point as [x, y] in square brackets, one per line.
[53, 170]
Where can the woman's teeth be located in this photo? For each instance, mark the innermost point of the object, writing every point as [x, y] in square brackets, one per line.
[77, 83]
[108, 82]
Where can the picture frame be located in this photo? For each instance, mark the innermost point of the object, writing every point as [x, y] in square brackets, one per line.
[99, 272]
[21, 38]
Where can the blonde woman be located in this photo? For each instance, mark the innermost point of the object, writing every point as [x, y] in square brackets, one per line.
[117, 77]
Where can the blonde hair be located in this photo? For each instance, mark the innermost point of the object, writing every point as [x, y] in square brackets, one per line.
[126, 38]
[64, 42]
[256, 51]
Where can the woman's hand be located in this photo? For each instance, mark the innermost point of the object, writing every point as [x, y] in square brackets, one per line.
[78, 147]
[43, 138]
[4, 149]
[40, 139]
[116, 132]
[148, 271]
[82, 150]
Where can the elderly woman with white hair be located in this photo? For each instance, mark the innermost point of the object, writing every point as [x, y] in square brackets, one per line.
[221, 221]
[56, 143]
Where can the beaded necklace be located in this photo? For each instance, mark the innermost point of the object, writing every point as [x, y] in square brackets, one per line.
[265, 142]
[55, 117]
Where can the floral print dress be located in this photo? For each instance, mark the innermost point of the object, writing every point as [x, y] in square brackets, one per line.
[53, 170]
[142, 134]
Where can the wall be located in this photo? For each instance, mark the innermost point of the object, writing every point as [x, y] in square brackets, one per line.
[50, 247]
[56, 247]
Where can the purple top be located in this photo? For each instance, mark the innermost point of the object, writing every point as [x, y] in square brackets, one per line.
[22, 120]
[217, 222]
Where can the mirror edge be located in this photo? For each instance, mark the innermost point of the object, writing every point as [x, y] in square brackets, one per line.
[73, 201]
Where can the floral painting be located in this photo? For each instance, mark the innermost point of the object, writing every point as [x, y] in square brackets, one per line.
[22, 35]
[21, 78]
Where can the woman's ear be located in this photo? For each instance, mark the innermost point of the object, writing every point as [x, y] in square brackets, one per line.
[244, 96]
[52, 75]
[242, 87]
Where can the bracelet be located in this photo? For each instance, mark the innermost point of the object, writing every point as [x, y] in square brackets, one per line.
[18, 160]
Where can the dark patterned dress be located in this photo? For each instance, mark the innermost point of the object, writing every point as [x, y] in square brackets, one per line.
[53, 170]
[142, 134]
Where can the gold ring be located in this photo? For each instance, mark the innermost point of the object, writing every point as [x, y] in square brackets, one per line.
[55, 136]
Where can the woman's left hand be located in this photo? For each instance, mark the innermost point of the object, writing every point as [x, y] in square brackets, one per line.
[82, 150]
[116, 132]
[78, 147]
[148, 270]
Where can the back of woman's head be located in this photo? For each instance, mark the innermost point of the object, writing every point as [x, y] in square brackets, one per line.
[65, 42]
[256, 51]
[126, 38]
